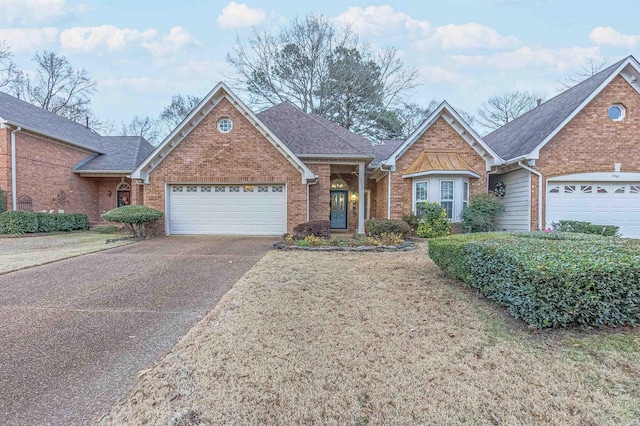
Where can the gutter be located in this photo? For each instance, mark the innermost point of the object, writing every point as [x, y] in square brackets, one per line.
[14, 197]
[539, 192]
[58, 138]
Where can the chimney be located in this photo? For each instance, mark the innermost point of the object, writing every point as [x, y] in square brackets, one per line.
[87, 119]
[539, 101]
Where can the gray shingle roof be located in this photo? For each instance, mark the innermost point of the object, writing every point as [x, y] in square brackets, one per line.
[384, 149]
[309, 134]
[522, 135]
[24, 114]
[122, 153]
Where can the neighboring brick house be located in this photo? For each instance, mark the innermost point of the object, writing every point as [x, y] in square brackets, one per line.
[49, 163]
[226, 170]
[575, 156]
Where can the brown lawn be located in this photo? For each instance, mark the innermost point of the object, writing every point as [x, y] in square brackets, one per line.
[380, 338]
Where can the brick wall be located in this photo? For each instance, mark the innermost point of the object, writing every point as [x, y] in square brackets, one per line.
[592, 142]
[439, 136]
[380, 201]
[242, 155]
[5, 163]
[44, 172]
[319, 193]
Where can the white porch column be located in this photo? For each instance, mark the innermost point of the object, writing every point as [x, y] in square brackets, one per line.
[361, 198]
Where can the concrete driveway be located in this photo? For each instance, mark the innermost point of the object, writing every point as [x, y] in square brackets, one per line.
[74, 334]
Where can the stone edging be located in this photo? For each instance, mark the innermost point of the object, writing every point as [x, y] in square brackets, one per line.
[405, 246]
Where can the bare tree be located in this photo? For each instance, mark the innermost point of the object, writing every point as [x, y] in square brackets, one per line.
[413, 115]
[146, 127]
[588, 69]
[173, 114]
[8, 69]
[322, 69]
[506, 106]
[58, 87]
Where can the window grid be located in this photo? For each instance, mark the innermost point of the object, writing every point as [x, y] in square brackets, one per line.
[446, 197]
[220, 189]
[205, 189]
[176, 189]
[192, 188]
[421, 194]
[263, 189]
[234, 189]
[276, 189]
[465, 195]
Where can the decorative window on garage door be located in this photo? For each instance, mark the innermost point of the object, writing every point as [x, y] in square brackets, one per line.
[177, 189]
[276, 189]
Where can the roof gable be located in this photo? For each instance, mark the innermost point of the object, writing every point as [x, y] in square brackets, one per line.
[18, 113]
[527, 134]
[453, 119]
[122, 154]
[219, 92]
[309, 135]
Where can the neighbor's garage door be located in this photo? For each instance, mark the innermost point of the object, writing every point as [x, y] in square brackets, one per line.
[227, 209]
[596, 202]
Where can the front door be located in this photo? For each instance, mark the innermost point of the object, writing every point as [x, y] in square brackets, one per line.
[339, 209]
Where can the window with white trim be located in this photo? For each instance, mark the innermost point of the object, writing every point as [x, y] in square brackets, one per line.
[465, 195]
[446, 197]
[421, 194]
[225, 125]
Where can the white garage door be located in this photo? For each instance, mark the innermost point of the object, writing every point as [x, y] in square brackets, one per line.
[596, 202]
[227, 209]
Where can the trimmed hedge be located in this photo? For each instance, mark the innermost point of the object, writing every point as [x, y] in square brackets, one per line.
[134, 217]
[376, 227]
[549, 279]
[586, 228]
[316, 228]
[19, 222]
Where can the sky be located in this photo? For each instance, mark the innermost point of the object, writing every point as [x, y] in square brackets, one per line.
[141, 52]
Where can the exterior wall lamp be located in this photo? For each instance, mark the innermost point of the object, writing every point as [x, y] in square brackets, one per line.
[354, 203]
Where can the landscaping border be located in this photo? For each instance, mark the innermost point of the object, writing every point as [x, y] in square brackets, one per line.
[405, 246]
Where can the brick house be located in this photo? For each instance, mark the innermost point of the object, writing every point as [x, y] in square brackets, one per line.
[49, 163]
[227, 170]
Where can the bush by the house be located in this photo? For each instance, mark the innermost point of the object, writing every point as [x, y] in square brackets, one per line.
[133, 217]
[549, 282]
[434, 221]
[316, 228]
[586, 228]
[19, 222]
[413, 220]
[375, 227]
[481, 213]
[3, 201]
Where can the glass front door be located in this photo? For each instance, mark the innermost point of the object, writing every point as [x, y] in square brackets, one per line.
[338, 209]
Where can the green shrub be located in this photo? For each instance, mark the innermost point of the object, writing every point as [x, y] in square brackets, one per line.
[316, 228]
[565, 281]
[3, 201]
[106, 229]
[586, 228]
[434, 221]
[413, 220]
[481, 213]
[375, 227]
[134, 217]
[46, 222]
[18, 222]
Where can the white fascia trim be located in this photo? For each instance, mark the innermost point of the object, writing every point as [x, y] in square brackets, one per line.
[110, 172]
[443, 173]
[598, 177]
[191, 121]
[465, 131]
[630, 61]
[40, 132]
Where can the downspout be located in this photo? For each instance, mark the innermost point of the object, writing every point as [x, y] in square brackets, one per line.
[14, 186]
[308, 201]
[539, 192]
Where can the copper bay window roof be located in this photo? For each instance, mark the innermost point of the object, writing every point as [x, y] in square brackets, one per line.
[439, 162]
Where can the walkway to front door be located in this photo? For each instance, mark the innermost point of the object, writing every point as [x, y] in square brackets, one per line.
[339, 209]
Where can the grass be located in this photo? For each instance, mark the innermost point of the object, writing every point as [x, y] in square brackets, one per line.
[27, 251]
[380, 338]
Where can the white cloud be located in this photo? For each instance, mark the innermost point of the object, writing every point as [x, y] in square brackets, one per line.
[34, 12]
[177, 39]
[138, 85]
[439, 74]
[89, 39]
[377, 20]
[29, 39]
[560, 60]
[607, 36]
[238, 15]
[467, 36]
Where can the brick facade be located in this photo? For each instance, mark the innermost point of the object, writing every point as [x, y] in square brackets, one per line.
[243, 155]
[592, 142]
[319, 193]
[440, 135]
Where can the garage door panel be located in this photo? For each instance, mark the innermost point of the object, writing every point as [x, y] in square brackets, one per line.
[227, 209]
[597, 202]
